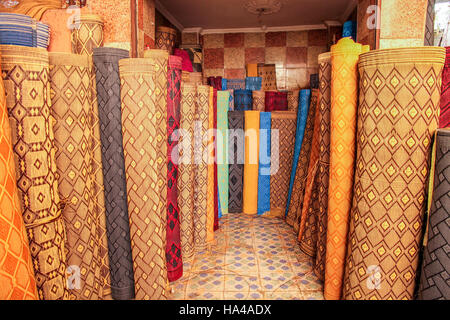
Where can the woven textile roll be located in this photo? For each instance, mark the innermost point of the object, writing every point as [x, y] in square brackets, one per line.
[250, 199]
[17, 29]
[224, 84]
[444, 120]
[276, 101]
[324, 106]
[88, 34]
[243, 100]
[253, 83]
[43, 35]
[186, 169]
[161, 59]
[32, 138]
[259, 100]
[211, 161]
[195, 53]
[186, 61]
[215, 82]
[231, 108]
[216, 187]
[34, 8]
[302, 117]
[349, 29]
[429, 23]
[71, 108]
[235, 84]
[264, 163]
[292, 99]
[236, 141]
[269, 77]
[252, 70]
[173, 243]
[314, 81]
[393, 147]
[434, 275]
[344, 59]
[147, 227]
[201, 168]
[106, 63]
[196, 78]
[222, 149]
[165, 38]
[282, 150]
[16, 266]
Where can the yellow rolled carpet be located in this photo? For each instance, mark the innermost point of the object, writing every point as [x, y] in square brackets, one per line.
[32, 137]
[147, 226]
[344, 98]
[17, 280]
[88, 34]
[211, 191]
[397, 116]
[251, 165]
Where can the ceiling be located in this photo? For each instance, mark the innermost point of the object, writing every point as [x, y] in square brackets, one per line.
[225, 14]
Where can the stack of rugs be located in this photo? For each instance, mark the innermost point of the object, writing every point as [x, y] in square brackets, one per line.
[22, 30]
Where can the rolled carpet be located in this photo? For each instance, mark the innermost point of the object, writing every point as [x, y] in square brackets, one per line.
[434, 276]
[88, 34]
[165, 38]
[186, 169]
[444, 120]
[211, 162]
[173, 241]
[71, 108]
[195, 53]
[222, 149]
[324, 106]
[302, 117]
[147, 227]
[292, 99]
[224, 84]
[393, 147]
[264, 163]
[186, 63]
[215, 82]
[243, 100]
[216, 187]
[201, 168]
[236, 141]
[16, 266]
[250, 194]
[252, 70]
[231, 108]
[259, 100]
[25, 72]
[344, 99]
[276, 101]
[196, 78]
[17, 29]
[314, 81]
[106, 64]
[282, 150]
[43, 35]
[253, 83]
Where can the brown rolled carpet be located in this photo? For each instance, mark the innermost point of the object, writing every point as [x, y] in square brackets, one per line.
[259, 100]
[293, 100]
[147, 224]
[88, 34]
[269, 77]
[397, 116]
[25, 73]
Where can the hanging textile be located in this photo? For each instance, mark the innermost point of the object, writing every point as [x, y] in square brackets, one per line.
[393, 148]
[235, 84]
[195, 53]
[302, 117]
[292, 99]
[324, 106]
[222, 149]
[243, 100]
[269, 77]
[216, 183]
[344, 98]
[201, 167]
[251, 148]
[444, 120]
[17, 29]
[186, 63]
[301, 175]
[276, 101]
[231, 108]
[253, 83]
[259, 100]
[71, 109]
[16, 266]
[173, 241]
[236, 154]
[87, 34]
[314, 81]
[32, 8]
[434, 275]
[252, 70]
[282, 150]
[186, 169]
[211, 161]
[165, 38]
[106, 63]
[264, 163]
[147, 227]
[33, 148]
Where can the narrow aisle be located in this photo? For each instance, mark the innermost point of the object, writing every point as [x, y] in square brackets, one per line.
[253, 258]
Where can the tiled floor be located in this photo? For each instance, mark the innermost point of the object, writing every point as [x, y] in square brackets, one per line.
[253, 258]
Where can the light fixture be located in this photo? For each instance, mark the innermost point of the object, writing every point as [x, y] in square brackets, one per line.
[263, 7]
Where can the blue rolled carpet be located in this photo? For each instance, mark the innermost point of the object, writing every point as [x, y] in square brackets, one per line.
[224, 84]
[17, 29]
[264, 162]
[302, 115]
[349, 29]
[243, 100]
[253, 83]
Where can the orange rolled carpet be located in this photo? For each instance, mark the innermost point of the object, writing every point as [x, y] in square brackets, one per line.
[17, 280]
[344, 99]
[211, 155]
[251, 165]
[398, 115]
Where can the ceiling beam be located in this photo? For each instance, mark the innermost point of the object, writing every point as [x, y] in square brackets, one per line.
[168, 15]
